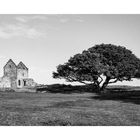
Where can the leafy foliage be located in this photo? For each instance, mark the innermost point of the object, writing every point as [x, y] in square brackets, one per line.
[100, 65]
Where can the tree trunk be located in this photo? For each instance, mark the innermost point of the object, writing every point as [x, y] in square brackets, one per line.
[105, 84]
[96, 86]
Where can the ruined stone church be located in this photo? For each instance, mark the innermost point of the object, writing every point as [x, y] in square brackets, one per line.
[16, 76]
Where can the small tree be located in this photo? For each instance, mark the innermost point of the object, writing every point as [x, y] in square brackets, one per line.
[100, 65]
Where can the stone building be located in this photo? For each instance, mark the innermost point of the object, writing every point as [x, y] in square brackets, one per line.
[16, 76]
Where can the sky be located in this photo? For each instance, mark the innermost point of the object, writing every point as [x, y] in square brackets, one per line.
[42, 42]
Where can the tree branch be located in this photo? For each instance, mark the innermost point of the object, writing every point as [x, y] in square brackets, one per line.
[113, 81]
[83, 82]
[101, 80]
[76, 80]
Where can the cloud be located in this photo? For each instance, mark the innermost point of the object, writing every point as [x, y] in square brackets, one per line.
[80, 20]
[33, 26]
[33, 33]
[19, 30]
[25, 19]
[22, 27]
[61, 18]
[21, 19]
[40, 17]
[64, 20]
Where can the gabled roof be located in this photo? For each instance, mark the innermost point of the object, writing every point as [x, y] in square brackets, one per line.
[10, 60]
[21, 66]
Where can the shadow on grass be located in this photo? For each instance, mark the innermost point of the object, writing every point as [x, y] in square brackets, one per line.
[131, 96]
[66, 89]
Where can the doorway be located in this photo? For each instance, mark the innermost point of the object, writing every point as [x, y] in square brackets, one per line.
[24, 82]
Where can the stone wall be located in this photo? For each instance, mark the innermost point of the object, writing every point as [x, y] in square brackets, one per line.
[21, 74]
[25, 83]
[30, 82]
[5, 82]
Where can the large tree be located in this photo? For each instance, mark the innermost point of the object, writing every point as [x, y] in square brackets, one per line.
[100, 65]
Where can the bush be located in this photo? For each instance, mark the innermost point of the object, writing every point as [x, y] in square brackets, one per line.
[7, 90]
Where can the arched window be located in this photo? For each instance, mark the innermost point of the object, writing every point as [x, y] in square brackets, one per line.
[19, 83]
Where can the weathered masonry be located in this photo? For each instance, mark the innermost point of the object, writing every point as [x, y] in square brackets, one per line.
[16, 76]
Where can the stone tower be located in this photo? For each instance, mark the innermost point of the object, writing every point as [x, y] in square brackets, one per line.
[22, 75]
[10, 71]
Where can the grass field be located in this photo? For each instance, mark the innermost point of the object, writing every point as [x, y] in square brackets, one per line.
[46, 109]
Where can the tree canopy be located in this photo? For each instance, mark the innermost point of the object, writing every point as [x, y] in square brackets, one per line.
[100, 65]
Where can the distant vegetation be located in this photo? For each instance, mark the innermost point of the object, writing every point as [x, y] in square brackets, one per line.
[99, 66]
[62, 88]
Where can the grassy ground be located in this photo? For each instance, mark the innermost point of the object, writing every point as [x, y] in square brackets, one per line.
[67, 109]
